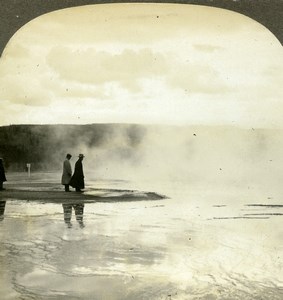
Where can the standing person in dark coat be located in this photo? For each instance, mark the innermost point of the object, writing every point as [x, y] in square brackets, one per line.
[77, 180]
[67, 172]
[2, 175]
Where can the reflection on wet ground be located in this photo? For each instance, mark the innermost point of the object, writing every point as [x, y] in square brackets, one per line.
[79, 213]
[184, 247]
[2, 209]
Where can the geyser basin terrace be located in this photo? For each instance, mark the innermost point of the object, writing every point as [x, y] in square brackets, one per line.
[199, 242]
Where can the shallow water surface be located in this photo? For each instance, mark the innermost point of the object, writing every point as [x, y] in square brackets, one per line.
[196, 244]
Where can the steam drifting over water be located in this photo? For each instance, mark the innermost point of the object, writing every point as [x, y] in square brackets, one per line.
[215, 154]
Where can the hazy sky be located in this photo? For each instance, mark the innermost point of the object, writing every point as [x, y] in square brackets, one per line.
[142, 63]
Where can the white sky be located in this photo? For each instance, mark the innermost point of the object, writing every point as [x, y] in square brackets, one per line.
[142, 63]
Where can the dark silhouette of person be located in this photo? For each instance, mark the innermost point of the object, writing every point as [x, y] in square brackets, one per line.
[67, 172]
[2, 175]
[2, 210]
[79, 212]
[77, 180]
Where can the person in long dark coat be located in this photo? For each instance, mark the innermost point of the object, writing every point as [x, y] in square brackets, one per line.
[77, 180]
[2, 175]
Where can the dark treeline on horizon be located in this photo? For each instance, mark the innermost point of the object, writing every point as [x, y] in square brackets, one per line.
[45, 146]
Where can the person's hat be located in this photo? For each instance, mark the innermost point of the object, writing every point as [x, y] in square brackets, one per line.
[69, 155]
[81, 155]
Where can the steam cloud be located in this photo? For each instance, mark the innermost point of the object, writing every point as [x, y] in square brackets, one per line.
[150, 152]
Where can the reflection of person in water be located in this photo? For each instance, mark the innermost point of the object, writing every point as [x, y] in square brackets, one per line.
[79, 213]
[2, 209]
[2, 175]
[77, 180]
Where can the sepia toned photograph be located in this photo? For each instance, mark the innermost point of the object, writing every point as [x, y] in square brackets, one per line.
[141, 150]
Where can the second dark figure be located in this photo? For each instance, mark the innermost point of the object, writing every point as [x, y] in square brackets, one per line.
[77, 180]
